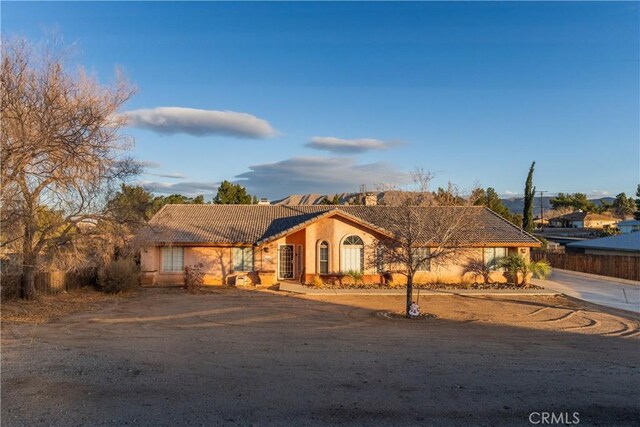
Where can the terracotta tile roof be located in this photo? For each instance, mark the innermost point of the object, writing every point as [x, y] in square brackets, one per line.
[582, 216]
[250, 224]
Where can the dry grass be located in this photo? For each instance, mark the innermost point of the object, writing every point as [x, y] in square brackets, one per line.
[50, 307]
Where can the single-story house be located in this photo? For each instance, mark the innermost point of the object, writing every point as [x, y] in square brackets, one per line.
[582, 219]
[629, 226]
[623, 244]
[270, 243]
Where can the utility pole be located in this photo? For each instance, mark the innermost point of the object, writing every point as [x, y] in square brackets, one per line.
[542, 210]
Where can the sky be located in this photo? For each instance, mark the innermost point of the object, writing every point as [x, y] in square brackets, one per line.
[289, 98]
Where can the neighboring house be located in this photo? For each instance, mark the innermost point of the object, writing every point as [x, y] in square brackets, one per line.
[629, 226]
[622, 244]
[265, 244]
[581, 219]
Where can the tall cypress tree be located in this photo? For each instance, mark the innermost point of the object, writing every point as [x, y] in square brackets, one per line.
[636, 214]
[529, 194]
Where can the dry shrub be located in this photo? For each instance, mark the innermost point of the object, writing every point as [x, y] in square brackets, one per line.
[10, 285]
[317, 282]
[118, 276]
[193, 277]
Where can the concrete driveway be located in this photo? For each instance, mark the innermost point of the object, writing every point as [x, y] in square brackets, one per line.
[595, 290]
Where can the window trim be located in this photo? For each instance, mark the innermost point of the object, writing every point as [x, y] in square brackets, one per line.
[244, 250]
[428, 261]
[172, 248]
[486, 260]
[349, 245]
[319, 258]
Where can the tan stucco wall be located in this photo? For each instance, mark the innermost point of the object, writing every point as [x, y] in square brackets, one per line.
[600, 223]
[334, 230]
[217, 261]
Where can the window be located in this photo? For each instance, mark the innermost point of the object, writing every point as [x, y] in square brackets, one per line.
[422, 254]
[323, 257]
[172, 259]
[380, 253]
[300, 259]
[491, 255]
[243, 259]
[353, 254]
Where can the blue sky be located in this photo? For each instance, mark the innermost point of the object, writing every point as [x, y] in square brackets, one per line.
[334, 95]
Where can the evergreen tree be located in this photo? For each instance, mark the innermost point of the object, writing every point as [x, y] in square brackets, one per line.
[529, 194]
[233, 194]
[636, 214]
[576, 201]
[623, 206]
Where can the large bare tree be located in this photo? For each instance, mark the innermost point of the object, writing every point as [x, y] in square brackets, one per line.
[424, 230]
[62, 149]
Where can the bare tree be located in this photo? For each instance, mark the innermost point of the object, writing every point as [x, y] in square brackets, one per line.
[423, 234]
[61, 149]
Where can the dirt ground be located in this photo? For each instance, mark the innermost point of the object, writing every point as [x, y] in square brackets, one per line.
[239, 357]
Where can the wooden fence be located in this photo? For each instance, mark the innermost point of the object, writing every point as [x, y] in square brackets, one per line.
[622, 267]
[48, 282]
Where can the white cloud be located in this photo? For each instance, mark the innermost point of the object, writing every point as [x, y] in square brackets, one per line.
[175, 175]
[149, 164]
[316, 175]
[593, 194]
[191, 121]
[185, 188]
[508, 194]
[340, 145]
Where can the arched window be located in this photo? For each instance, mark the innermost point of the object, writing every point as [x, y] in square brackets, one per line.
[352, 254]
[323, 257]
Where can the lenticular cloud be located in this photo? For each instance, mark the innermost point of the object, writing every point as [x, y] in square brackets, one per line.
[195, 122]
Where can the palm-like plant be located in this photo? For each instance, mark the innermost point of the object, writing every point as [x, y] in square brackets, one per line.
[538, 269]
[357, 276]
[515, 264]
[478, 267]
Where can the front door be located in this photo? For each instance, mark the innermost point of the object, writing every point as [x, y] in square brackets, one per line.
[285, 261]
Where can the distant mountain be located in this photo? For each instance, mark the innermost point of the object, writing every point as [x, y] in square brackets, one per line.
[515, 205]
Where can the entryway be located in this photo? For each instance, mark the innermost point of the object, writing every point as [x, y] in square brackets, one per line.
[285, 262]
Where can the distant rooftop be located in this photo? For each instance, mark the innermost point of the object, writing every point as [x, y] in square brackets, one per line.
[624, 242]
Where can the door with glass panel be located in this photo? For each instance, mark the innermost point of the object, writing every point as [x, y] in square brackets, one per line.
[285, 262]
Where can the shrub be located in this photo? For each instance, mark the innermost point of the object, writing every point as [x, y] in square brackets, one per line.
[193, 277]
[118, 276]
[356, 276]
[317, 282]
[9, 285]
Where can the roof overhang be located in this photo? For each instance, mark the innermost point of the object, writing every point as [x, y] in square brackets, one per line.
[328, 214]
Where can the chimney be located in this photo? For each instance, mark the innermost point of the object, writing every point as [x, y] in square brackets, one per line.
[370, 199]
[263, 201]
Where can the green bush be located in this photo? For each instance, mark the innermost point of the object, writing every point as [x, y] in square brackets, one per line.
[118, 276]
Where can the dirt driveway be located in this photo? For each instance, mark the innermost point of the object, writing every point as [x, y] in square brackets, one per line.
[236, 357]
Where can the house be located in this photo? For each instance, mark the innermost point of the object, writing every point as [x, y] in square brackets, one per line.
[623, 244]
[266, 244]
[629, 226]
[580, 219]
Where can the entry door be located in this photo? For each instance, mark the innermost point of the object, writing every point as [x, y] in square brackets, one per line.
[285, 259]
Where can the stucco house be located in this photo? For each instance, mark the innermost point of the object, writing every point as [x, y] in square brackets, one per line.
[629, 226]
[582, 219]
[270, 243]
